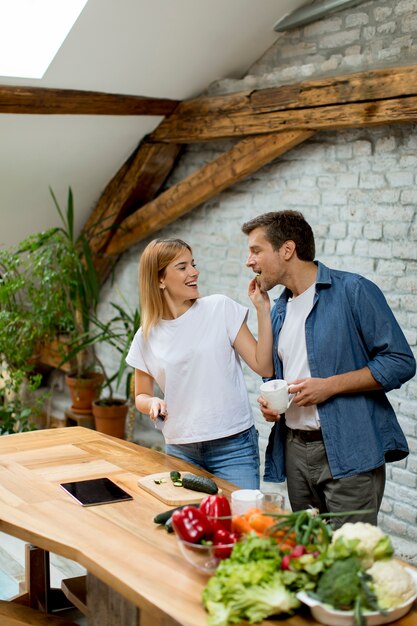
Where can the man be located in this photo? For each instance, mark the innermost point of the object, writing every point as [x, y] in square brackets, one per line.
[340, 348]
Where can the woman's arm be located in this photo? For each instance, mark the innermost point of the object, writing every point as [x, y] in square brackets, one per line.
[257, 354]
[145, 401]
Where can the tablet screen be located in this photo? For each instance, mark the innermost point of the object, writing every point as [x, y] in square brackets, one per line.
[96, 491]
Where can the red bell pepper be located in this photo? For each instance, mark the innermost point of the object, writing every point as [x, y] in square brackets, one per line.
[191, 524]
[217, 507]
[222, 540]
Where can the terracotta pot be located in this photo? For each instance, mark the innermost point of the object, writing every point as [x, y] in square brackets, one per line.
[110, 419]
[84, 391]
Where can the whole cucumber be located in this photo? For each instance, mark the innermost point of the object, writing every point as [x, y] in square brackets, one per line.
[162, 518]
[199, 483]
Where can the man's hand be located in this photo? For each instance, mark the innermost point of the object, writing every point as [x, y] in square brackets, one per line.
[308, 391]
[270, 415]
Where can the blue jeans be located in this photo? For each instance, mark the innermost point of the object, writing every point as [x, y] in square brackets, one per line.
[234, 458]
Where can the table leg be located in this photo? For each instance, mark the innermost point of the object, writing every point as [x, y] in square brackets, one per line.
[41, 595]
[106, 607]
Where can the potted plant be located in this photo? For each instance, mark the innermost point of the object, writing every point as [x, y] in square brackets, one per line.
[49, 289]
[80, 292]
[32, 312]
[110, 411]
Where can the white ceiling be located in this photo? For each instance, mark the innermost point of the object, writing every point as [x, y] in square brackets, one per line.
[160, 48]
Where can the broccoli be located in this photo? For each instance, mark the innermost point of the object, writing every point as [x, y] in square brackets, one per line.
[340, 585]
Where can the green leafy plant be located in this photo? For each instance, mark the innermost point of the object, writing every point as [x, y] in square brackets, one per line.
[118, 332]
[49, 288]
[15, 414]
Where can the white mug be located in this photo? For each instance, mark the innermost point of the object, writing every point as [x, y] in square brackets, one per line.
[276, 393]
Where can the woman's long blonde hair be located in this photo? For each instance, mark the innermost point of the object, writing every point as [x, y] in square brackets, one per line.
[157, 255]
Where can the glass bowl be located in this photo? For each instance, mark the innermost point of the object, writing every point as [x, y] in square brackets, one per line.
[205, 558]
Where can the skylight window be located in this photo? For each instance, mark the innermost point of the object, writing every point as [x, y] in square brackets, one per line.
[31, 33]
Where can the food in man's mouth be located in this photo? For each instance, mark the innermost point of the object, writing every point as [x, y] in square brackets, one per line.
[258, 279]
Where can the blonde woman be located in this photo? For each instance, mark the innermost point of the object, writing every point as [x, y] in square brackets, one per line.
[190, 346]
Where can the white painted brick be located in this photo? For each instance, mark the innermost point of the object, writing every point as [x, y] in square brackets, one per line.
[391, 267]
[388, 28]
[362, 148]
[334, 197]
[338, 230]
[371, 181]
[409, 303]
[380, 249]
[340, 39]
[405, 250]
[381, 13]
[297, 50]
[344, 247]
[322, 26]
[356, 19]
[385, 144]
[400, 179]
[372, 231]
[409, 24]
[405, 6]
[355, 230]
[369, 33]
[408, 196]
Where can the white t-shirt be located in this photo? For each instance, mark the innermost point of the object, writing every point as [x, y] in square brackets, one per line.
[292, 351]
[193, 361]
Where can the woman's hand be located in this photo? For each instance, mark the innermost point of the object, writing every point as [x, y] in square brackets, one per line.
[157, 407]
[259, 298]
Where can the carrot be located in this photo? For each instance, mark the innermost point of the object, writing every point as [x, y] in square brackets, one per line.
[252, 511]
[241, 525]
[261, 522]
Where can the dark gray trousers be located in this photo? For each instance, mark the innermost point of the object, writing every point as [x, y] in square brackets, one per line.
[310, 483]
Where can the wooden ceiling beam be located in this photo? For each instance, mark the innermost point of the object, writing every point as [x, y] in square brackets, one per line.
[137, 182]
[43, 101]
[362, 99]
[243, 159]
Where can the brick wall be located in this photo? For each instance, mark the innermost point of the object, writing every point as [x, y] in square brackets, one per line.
[357, 188]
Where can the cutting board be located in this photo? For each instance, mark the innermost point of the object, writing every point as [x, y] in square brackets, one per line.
[167, 492]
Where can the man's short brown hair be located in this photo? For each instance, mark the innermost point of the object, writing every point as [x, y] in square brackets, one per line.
[281, 226]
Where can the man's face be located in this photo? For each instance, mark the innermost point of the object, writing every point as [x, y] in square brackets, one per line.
[264, 260]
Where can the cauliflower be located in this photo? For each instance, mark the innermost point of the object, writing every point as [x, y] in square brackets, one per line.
[393, 585]
[363, 540]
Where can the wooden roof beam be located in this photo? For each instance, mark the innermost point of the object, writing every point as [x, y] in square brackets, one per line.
[43, 101]
[137, 182]
[368, 98]
[243, 159]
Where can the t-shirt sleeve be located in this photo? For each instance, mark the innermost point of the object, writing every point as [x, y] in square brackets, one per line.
[135, 357]
[235, 315]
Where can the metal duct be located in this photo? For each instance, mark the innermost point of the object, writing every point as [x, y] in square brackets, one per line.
[313, 12]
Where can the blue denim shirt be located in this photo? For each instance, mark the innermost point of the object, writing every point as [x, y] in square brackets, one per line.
[349, 327]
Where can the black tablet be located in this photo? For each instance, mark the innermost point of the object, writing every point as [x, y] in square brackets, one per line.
[96, 491]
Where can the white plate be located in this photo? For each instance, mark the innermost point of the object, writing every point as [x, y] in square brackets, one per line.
[326, 615]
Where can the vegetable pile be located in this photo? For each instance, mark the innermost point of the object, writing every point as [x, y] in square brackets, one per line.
[349, 569]
[266, 559]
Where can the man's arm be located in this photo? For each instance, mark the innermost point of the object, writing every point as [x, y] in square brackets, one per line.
[310, 391]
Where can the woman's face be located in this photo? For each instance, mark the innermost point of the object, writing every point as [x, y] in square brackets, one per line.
[180, 279]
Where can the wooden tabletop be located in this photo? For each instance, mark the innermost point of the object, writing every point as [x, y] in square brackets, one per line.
[118, 543]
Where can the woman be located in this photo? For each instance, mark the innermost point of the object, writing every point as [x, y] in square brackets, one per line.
[189, 346]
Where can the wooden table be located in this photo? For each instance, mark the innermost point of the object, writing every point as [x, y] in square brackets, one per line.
[136, 573]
